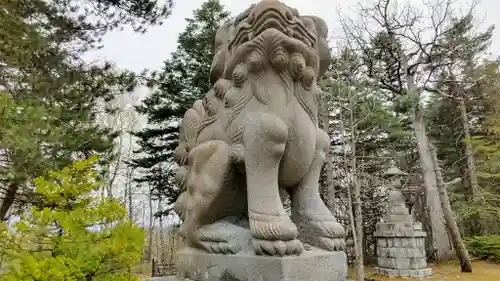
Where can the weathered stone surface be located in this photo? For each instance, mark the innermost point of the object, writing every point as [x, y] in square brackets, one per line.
[310, 266]
[407, 252]
[399, 229]
[254, 133]
[174, 278]
[167, 278]
[402, 262]
[413, 273]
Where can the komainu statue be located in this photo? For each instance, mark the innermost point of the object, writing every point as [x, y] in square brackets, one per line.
[254, 135]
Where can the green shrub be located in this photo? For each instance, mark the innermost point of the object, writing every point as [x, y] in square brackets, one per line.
[73, 234]
[485, 247]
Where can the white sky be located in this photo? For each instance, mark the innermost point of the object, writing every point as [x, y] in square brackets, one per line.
[138, 51]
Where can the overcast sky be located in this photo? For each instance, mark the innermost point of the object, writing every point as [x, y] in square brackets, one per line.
[138, 51]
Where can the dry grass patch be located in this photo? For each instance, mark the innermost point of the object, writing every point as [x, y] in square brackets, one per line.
[481, 271]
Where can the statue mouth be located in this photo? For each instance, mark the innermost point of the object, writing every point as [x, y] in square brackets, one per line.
[271, 15]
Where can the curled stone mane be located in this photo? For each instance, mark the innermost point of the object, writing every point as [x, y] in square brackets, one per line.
[187, 135]
[212, 103]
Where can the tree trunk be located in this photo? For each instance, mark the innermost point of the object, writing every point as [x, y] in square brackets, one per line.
[129, 193]
[440, 240]
[143, 209]
[360, 271]
[128, 184]
[8, 200]
[454, 231]
[358, 253]
[114, 174]
[162, 245]
[471, 163]
[150, 242]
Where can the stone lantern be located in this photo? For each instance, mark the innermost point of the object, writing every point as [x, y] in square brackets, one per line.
[400, 240]
[397, 210]
[394, 175]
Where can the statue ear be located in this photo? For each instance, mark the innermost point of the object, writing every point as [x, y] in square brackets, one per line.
[321, 27]
[220, 48]
[323, 50]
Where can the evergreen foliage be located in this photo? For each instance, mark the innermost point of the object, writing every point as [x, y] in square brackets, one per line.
[485, 247]
[183, 79]
[72, 234]
[41, 46]
[461, 68]
[485, 142]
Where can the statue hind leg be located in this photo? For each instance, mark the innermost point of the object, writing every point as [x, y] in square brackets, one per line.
[264, 142]
[317, 226]
[208, 198]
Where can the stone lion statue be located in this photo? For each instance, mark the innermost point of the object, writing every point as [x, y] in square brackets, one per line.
[254, 135]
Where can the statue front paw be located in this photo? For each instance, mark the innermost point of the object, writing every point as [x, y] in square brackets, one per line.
[324, 234]
[221, 247]
[278, 247]
[274, 235]
[331, 245]
[220, 237]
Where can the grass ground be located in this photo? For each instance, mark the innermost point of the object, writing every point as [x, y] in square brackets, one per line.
[481, 271]
[142, 270]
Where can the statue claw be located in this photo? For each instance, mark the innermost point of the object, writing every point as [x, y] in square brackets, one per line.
[331, 245]
[226, 247]
[278, 247]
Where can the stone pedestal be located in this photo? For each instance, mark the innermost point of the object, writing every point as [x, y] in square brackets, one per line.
[312, 265]
[401, 249]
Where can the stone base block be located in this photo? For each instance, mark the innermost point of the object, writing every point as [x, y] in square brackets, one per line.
[401, 242]
[399, 229]
[402, 263]
[310, 266]
[413, 273]
[166, 278]
[174, 278]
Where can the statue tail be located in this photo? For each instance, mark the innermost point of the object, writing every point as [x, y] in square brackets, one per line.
[187, 140]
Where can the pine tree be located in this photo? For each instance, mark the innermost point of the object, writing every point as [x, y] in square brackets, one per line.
[41, 67]
[485, 143]
[463, 49]
[183, 79]
[456, 109]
